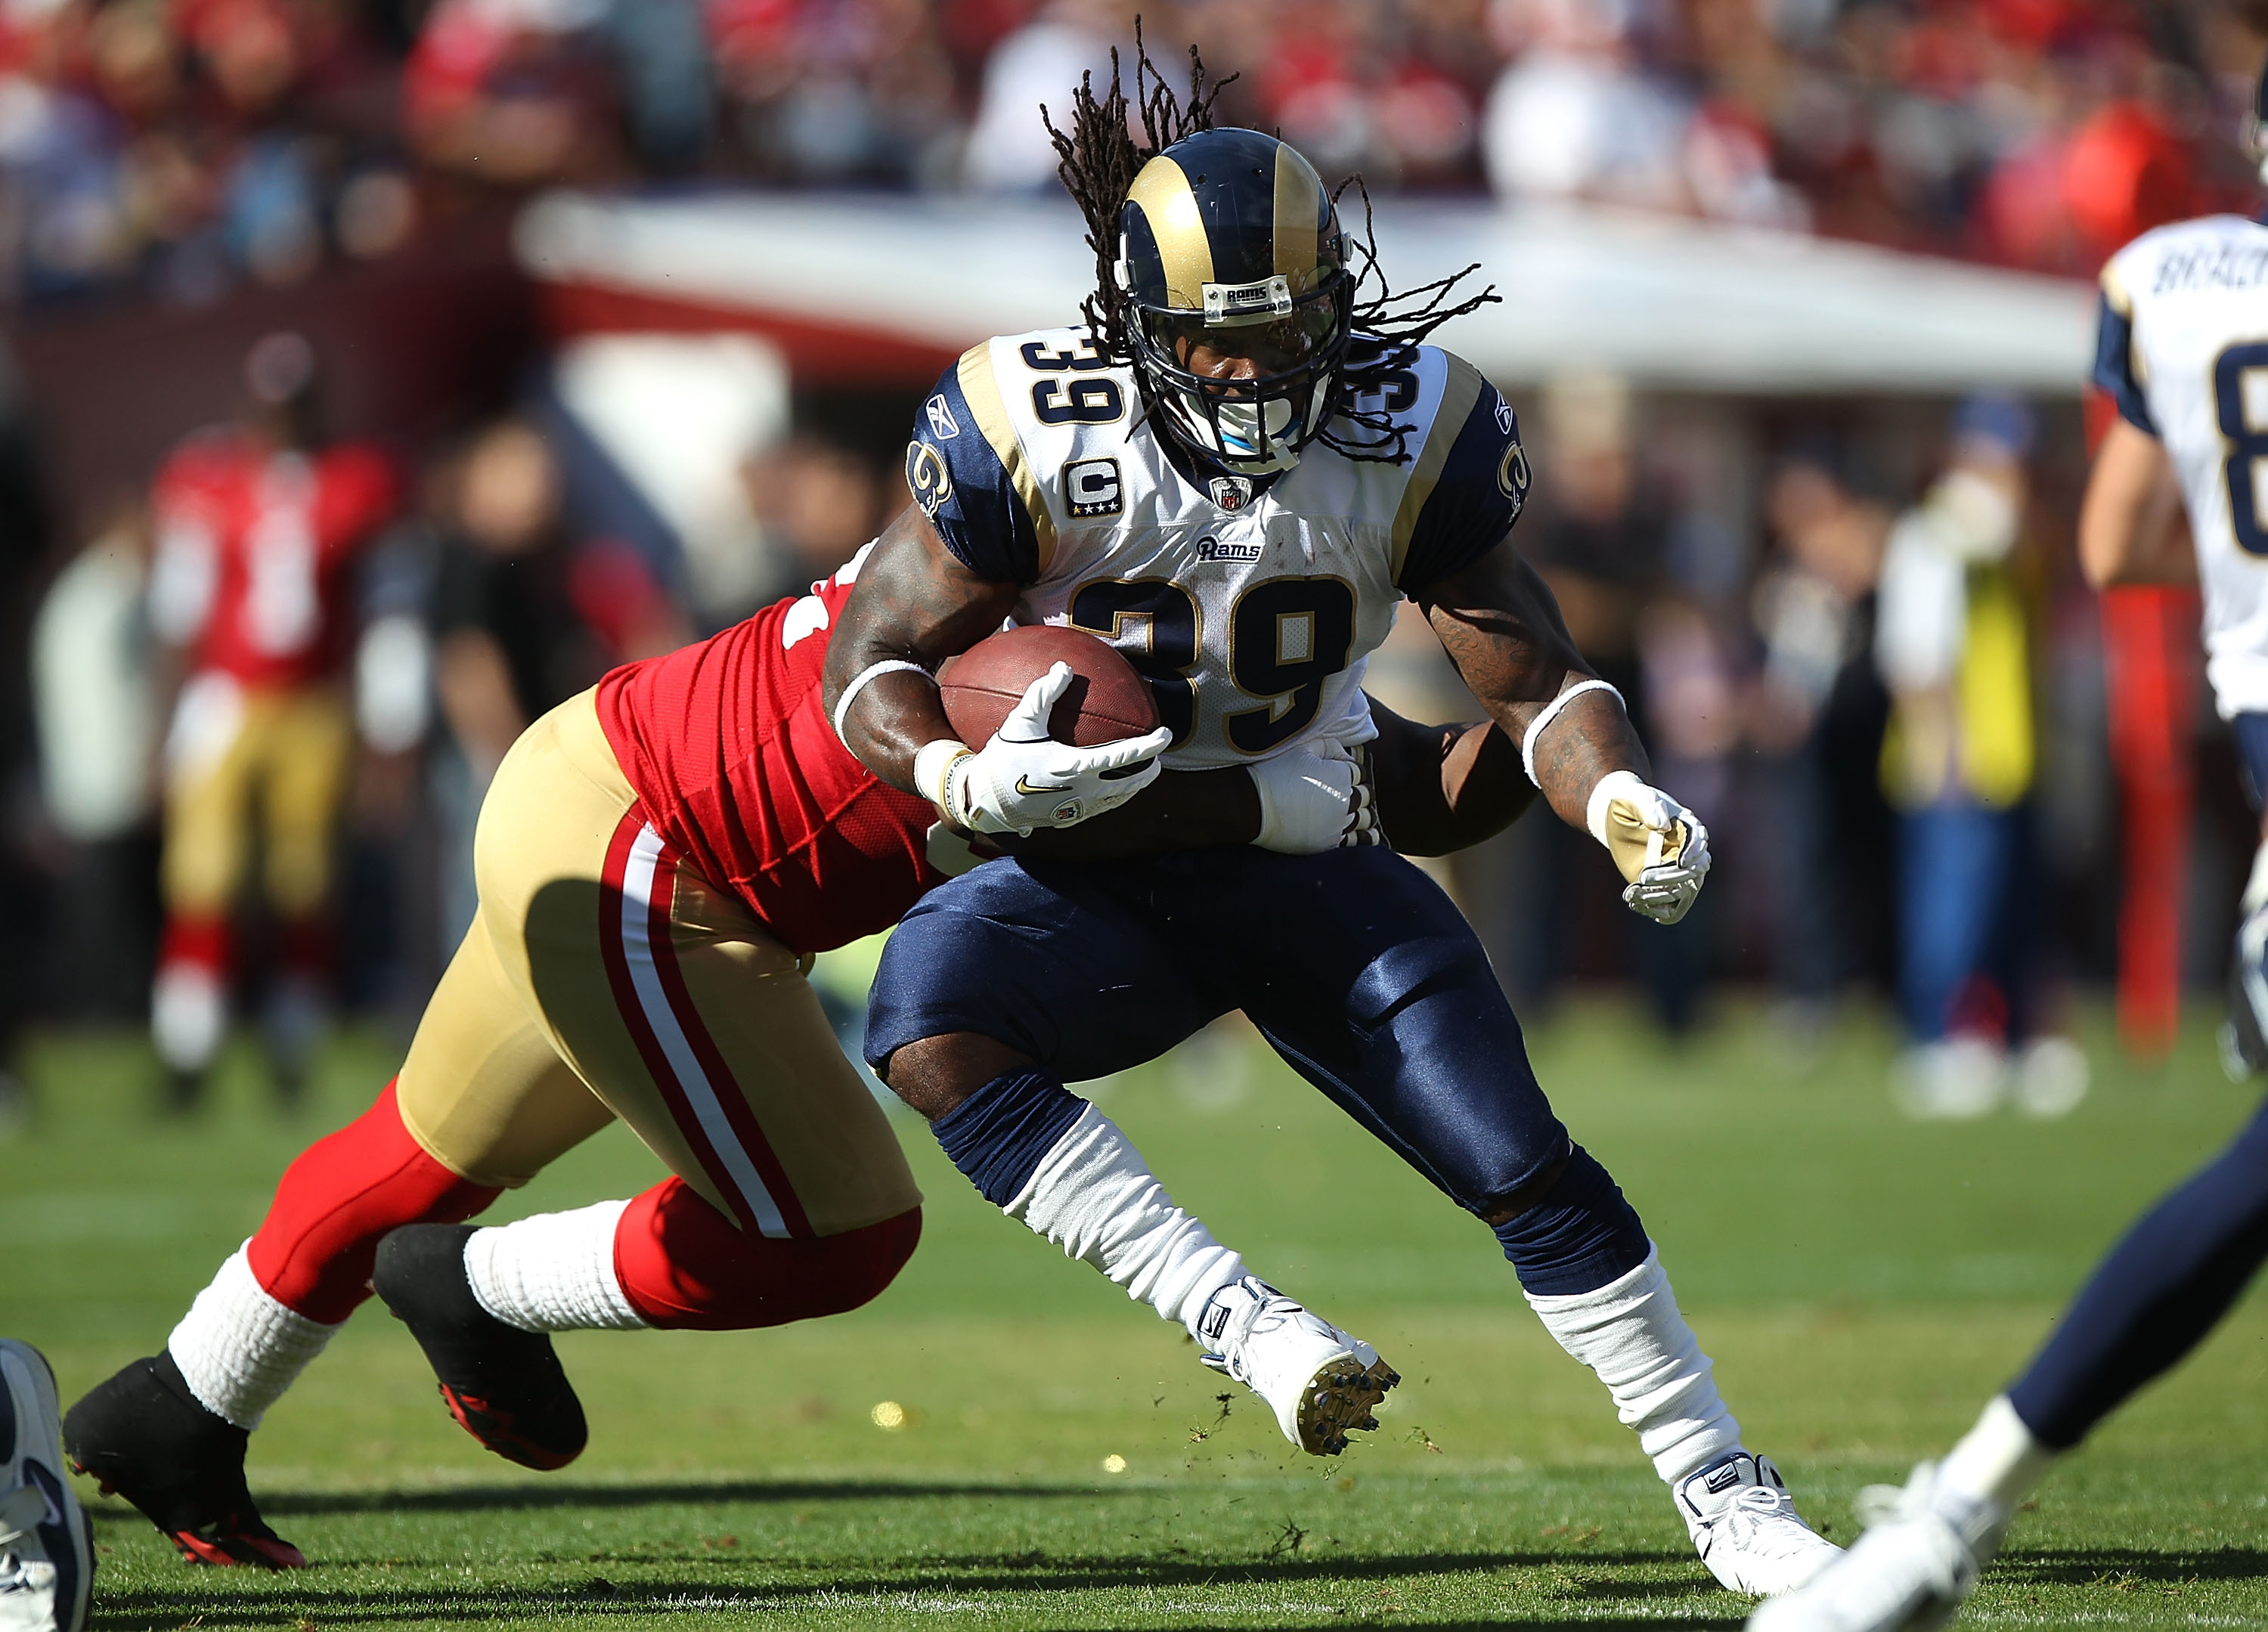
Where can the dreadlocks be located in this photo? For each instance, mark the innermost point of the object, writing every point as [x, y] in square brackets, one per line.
[1100, 160]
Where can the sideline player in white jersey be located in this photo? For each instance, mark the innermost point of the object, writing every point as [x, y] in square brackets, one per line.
[2183, 351]
[1232, 472]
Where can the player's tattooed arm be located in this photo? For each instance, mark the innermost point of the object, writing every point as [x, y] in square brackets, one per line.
[1501, 627]
[1444, 788]
[913, 603]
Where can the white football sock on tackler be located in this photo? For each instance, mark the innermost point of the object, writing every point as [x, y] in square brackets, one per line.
[553, 1272]
[238, 1348]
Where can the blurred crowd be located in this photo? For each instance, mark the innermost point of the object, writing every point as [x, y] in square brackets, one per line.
[184, 146]
[1878, 677]
[268, 693]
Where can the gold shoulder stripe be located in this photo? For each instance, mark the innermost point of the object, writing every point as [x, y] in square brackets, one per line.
[1298, 218]
[1459, 392]
[980, 387]
[1171, 210]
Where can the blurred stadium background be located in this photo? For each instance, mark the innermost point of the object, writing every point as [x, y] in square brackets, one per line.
[637, 298]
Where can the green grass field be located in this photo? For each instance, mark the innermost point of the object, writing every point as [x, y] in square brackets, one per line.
[1864, 1282]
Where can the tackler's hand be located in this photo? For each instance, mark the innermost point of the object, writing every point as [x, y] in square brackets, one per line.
[1660, 847]
[1313, 801]
[1024, 778]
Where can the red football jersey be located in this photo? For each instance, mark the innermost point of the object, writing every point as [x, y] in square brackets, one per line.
[252, 546]
[731, 752]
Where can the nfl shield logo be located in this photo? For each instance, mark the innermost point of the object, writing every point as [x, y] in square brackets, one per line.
[1230, 492]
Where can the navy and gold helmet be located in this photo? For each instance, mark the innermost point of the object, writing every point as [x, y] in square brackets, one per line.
[1228, 242]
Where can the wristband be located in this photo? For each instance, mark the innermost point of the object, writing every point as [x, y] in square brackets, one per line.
[934, 773]
[871, 672]
[1548, 713]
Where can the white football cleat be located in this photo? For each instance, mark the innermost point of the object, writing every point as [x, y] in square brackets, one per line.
[1910, 1572]
[1745, 1526]
[1319, 1381]
[47, 1547]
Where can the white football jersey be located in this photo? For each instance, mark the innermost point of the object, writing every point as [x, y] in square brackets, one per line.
[2182, 348]
[1250, 611]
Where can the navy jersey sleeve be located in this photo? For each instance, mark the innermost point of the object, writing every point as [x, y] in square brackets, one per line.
[2114, 363]
[1477, 488]
[965, 470]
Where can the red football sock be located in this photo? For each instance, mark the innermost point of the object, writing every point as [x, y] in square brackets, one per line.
[684, 1264]
[314, 1250]
[191, 939]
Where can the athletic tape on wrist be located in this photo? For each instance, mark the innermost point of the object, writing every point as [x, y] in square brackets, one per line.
[871, 672]
[934, 773]
[1551, 712]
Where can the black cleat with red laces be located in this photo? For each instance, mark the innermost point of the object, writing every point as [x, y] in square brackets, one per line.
[505, 1385]
[144, 1436]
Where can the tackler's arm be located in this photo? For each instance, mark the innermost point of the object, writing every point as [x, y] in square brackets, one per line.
[1444, 788]
[914, 605]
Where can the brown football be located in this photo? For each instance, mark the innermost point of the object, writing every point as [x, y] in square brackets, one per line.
[1107, 701]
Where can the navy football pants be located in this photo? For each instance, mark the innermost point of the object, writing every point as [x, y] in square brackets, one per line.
[2155, 1297]
[1353, 964]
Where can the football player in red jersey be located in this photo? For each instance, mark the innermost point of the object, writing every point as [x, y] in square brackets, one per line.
[257, 524]
[658, 860]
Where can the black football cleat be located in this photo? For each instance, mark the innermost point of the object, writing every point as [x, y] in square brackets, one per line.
[144, 1436]
[505, 1385]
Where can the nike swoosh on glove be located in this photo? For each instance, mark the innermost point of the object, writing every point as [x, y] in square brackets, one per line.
[1024, 778]
[1311, 802]
[1660, 847]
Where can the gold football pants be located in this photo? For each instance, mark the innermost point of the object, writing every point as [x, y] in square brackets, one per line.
[602, 977]
[237, 758]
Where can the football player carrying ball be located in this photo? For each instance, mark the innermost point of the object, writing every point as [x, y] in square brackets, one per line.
[1234, 471]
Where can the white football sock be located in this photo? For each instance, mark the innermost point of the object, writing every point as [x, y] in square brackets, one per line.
[1093, 1196]
[188, 1015]
[553, 1272]
[2255, 887]
[238, 1348]
[1997, 1462]
[1629, 1332]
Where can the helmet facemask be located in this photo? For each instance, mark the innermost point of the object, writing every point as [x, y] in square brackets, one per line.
[1252, 422]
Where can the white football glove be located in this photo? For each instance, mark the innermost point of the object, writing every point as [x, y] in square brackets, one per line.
[1024, 778]
[1311, 802]
[1660, 848]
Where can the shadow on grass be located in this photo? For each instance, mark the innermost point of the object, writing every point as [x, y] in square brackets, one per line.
[482, 1498]
[146, 1611]
[940, 1585]
[2117, 1566]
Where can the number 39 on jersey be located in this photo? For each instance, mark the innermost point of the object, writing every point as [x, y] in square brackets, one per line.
[1250, 612]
